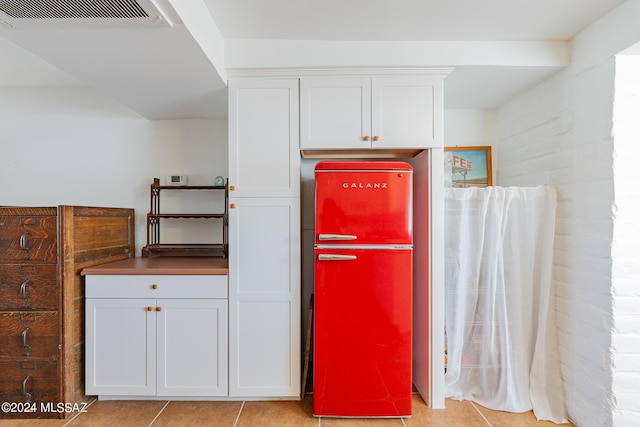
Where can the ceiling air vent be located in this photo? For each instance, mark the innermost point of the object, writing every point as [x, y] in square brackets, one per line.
[34, 13]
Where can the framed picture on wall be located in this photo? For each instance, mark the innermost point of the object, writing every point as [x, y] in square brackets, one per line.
[468, 166]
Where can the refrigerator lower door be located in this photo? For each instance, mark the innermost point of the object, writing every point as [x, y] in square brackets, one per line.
[362, 335]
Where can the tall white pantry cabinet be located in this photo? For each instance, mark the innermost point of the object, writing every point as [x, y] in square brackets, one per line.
[264, 238]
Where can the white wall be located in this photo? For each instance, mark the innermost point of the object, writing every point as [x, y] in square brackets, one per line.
[625, 248]
[546, 138]
[469, 127]
[560, 133]
[71, 145]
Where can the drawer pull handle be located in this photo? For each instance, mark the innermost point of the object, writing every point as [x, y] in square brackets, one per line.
[376, 138]
[24, 338]
[23, 241]
[154, 286]
[149, 308]
[158, 308]
[24, 387]
[23, 289]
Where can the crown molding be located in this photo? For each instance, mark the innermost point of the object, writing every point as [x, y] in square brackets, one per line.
[296, 72]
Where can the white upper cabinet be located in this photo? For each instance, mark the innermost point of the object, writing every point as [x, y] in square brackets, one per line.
[364, 113]
[406, 112]
[335, 113]
[264, 159]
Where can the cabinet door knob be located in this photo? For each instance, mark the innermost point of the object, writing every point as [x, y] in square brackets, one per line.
[365, 138]
[232, 205]
[158, 308]
[149, 308]
[232, 188]
[154, 286]
[376, 138]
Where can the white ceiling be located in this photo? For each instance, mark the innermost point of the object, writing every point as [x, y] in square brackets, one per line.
[460, 20]
[178, 70]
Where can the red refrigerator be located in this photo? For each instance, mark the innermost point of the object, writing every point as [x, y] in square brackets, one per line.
[363, 286]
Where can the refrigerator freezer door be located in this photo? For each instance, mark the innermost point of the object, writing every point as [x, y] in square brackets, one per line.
[363, 321]
[364, 207]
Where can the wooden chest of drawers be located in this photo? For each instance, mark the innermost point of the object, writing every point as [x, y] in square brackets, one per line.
[42, 251]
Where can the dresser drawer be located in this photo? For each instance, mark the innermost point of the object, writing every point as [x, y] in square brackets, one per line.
[28, 287]
[29, 334]
[28, 237]
[156, 286]
[34, 381]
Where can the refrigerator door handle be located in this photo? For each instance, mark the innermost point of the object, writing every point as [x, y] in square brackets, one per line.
[336, 257]
[336, 237]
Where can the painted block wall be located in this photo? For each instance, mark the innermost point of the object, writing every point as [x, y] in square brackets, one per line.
[625, 248]
[562, 133]
[541, 142]
[71, 145]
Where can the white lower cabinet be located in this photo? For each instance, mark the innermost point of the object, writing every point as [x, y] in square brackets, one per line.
[192, 348]
[173, 345]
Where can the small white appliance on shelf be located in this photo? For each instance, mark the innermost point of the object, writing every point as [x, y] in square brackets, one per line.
[177, 180]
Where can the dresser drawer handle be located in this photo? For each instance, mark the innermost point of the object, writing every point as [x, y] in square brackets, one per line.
[23, 241]
[24, 338]
[23, 289]
[24, 388]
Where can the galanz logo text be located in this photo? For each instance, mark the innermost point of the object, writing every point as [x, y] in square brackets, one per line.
[364, 185]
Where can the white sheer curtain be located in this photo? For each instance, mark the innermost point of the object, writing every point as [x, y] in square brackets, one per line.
[500, 315]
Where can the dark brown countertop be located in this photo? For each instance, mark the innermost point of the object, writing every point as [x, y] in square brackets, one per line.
[162, 265]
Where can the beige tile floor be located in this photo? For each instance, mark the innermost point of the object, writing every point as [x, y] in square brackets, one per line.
[271, 414]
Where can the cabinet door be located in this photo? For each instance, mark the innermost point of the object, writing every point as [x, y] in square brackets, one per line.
[406, 112]
[335, 113]
[120, 347]
[192, 347]
[264, 158]
[264, 297]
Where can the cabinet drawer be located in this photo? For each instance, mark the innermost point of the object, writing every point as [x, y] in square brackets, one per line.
[156, 286]
[28, 287]
[29, 334]
[23, 381]
[28, 237]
